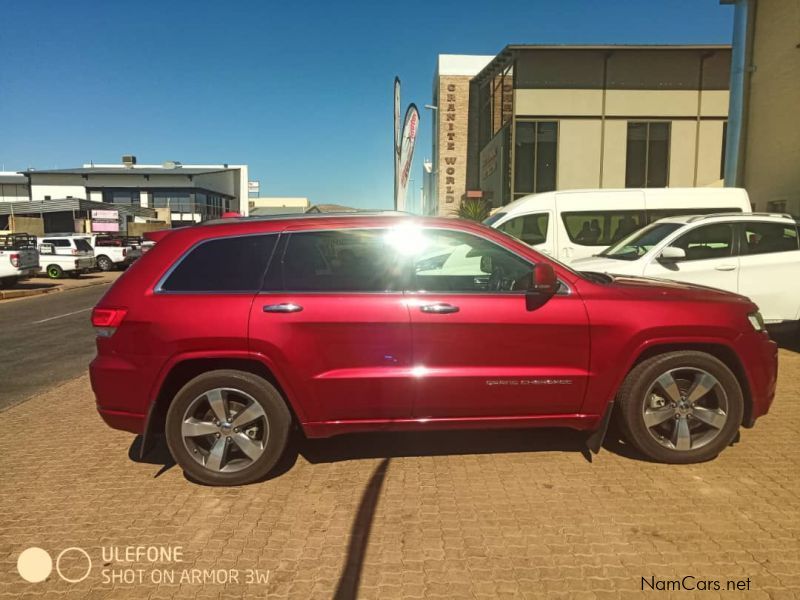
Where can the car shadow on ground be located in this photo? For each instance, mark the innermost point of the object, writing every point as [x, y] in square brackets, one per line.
[387, 445]
[787, 338]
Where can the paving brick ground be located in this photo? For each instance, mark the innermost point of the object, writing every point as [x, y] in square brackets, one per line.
[472, 515]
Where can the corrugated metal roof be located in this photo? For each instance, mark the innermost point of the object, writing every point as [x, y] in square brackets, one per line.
[69, 204]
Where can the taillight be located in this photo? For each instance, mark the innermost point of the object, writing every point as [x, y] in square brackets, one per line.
[106, 320]
[74, 252]
[14, 260]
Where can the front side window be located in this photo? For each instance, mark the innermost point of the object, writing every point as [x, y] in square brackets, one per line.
[647, 157]
[458, 262]
[707, 241]
[531, 229]
[535, 157]
[640, 242]
[601, 228]
[234, 264]
[341, 261]
[765, 238]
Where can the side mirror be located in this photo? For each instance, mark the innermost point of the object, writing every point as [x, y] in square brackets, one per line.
[672, 254]
[543, 286]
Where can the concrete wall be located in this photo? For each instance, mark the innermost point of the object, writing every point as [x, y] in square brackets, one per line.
[772, 142]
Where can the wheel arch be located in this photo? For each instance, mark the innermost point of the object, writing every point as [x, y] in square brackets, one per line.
[720, 351]
[183, 369]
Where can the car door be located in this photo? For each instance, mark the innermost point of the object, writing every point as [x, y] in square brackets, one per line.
[477, 351]
[333, 319]
[769, 268]
[710, 258]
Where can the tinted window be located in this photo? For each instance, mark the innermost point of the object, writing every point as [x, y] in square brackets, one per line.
[536, 145]
[708, 241]
[57, 243]
[451, 261]
[531, 229]
[601, 228]
[647, 155]
[83, 245]
[764, 238]
[233, 264]
[341, 261]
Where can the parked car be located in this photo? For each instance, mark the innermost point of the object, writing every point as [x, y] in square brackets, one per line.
[757, 255]
[65, 254]
[19, 259]
[113, 251]
[578, 223]
[227, 334]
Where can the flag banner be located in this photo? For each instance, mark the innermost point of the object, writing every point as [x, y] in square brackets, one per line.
[409, 138]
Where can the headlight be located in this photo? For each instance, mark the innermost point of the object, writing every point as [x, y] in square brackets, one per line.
[757, 321]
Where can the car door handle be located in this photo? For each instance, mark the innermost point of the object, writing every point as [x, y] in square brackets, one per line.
[725, 267]
[285, 307]
[440, 308]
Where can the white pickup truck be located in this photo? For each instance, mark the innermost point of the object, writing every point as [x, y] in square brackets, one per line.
[60, 254]
[113, 251]
[18, 258]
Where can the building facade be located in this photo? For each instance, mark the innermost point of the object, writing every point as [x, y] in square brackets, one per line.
[451, 113]
[543, 118]
[764, 140]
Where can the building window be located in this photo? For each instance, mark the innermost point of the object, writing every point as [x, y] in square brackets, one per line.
[647, 159]
[724, 144]
[127, 197]
[535, 157]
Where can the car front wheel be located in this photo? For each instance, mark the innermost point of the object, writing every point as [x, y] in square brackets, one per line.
[681, 407]
[54, 272]
[227, 427]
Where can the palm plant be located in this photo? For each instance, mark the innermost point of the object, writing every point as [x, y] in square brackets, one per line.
[473, 209]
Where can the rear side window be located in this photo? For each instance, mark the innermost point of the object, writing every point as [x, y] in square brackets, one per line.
[83, 245]
[531, 229]
[601, 228]
[57, 243]
[234, 264]
[766, 238]
[340, 261]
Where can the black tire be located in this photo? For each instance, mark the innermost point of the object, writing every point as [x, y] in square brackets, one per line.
[54, 272]
[634, 394]
[278, 420]
[104, 263]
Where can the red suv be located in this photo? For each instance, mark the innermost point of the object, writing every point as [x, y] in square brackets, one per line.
[225, 335]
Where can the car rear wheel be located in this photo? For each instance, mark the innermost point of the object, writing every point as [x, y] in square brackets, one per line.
[227, 427]
[55, 272]
[681, 407]
[104, 263]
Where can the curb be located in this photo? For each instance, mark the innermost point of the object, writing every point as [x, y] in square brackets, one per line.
[15, 294]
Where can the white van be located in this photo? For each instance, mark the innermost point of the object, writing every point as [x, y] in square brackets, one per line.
[573, 224]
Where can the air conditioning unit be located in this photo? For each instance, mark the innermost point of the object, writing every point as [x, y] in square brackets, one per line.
[129, 160]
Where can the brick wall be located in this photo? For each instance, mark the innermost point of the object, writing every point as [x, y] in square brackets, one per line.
[450, 163]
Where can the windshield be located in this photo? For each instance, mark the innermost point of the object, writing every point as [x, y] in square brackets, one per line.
[640, 242]
[494, 218]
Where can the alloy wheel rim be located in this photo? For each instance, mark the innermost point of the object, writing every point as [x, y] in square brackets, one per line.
[685, 409]
[225, 430]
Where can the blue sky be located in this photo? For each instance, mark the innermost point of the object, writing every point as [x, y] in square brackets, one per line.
[300, 91]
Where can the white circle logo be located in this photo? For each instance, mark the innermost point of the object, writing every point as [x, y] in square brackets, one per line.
[34, 565]
[88, 567]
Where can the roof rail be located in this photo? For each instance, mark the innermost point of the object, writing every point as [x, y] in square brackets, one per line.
[314, 215]
[695, 218]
